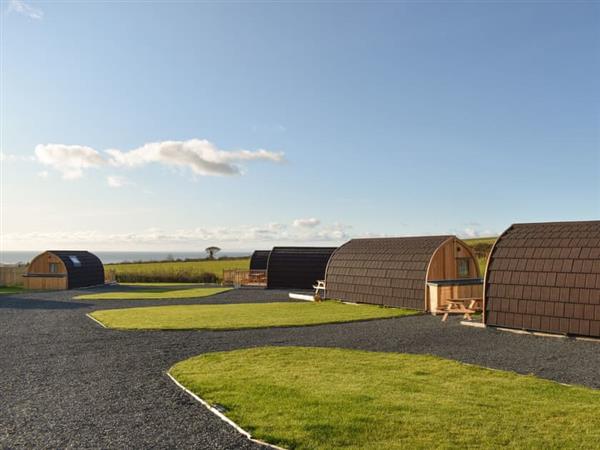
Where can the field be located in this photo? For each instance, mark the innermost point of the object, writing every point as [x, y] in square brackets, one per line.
[240, 316]
[317, 398]
[482, 248]
[488, 241]
[202, 271]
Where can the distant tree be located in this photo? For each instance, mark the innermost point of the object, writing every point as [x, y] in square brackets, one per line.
[212, 251]
[170, 257]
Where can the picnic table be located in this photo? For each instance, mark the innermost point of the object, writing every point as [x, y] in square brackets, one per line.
[465, 306]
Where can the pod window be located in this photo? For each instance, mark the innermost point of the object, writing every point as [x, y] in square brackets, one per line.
[75, 260]
[462, 267]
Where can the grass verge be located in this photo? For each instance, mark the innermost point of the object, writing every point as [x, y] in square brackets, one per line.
[317, 398]
[6, 290]
[237, 316]
[154, 294]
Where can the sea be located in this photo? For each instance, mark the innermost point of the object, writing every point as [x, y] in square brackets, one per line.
[15, 257]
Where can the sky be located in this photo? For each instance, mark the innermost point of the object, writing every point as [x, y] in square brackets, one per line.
[178, 125]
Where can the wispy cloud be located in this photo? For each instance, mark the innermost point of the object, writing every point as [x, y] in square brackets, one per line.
[10, 158]
[237, 237]
[115, 181]
[310, 222]
[21, 7]
[200, 156]
[69, 160]
[473, 230]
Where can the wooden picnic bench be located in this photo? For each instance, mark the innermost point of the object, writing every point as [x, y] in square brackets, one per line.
[464, 306]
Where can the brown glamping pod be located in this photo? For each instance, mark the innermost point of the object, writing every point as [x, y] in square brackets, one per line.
[64, 269]
[545, 277]
[410, 272]
[297, 267]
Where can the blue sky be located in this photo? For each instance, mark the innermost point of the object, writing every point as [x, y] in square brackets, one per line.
[294, 123]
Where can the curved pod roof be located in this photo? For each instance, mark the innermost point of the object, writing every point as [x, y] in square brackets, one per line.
[546, 277]
[388, 271]
[259, 259]
[297, 267]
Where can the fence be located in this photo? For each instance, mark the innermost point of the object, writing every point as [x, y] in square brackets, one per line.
[239, 277]
[12, 275]
[110, 275]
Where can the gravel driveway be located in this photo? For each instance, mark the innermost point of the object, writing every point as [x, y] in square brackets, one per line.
[68, 383]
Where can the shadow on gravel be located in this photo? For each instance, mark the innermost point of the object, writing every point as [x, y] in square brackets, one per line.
[26, 303]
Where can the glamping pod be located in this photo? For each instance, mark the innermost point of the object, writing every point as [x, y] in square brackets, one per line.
[410, 272]
[297, 267]
[64, 269]
[259, 260]
[545, 277]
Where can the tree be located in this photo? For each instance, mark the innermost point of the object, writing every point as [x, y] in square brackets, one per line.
[212, 251]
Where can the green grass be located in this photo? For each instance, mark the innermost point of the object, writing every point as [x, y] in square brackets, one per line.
[154, 294]
[481, 247]
[236, 316]
[317, 398]
[482, 262]
[176, 271]
[6, 290]
[484, 240]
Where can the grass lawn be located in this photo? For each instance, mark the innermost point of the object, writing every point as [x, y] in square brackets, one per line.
[247, 315]
[316, 398]
[5, 290]
[154, 294]
[175, 271]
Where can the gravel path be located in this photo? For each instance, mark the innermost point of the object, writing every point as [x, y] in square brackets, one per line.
[68, 383]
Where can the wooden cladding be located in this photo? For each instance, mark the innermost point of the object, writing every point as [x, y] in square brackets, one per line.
[546, 277]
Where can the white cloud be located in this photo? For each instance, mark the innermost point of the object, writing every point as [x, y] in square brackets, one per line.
[307, 223]
[69, 160]
[199, 155]
[20, 7]
[473, 231]
[244, 236]
[115, 181]
[43, 174]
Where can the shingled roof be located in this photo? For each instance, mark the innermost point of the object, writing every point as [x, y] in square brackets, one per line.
[546, 277]
[383, 271]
